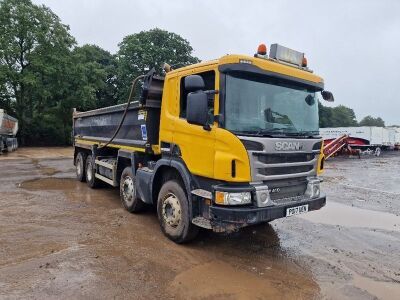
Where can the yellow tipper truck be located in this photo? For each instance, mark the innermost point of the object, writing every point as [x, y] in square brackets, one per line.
[220, 145]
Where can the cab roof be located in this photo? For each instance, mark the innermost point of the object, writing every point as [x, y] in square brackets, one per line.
[262, 63]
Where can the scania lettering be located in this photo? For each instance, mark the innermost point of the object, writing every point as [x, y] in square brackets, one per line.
[288, 146]
[220, 145]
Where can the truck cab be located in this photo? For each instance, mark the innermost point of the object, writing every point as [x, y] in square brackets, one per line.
[232, 142]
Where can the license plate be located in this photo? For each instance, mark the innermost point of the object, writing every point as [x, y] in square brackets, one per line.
[296, 210]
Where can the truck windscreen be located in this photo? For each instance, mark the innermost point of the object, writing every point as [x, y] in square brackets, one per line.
[262, 105]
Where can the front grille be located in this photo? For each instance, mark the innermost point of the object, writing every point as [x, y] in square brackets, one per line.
[288, 200]
[252, 145]
[287, 189]
[279, 158]
[284, 170]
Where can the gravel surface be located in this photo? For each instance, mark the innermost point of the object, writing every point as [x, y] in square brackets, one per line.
[61, 239]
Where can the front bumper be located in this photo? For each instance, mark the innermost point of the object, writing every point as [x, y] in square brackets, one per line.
[233, 218]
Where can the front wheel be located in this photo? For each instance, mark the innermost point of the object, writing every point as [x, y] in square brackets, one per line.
[127, 192]
[173, 213]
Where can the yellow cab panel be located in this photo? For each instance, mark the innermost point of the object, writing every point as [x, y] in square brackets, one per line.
[196, 145]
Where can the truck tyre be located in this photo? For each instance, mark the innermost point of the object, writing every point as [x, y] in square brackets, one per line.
[91, 180]
[127, 192]
[80, 166]
[173, 213]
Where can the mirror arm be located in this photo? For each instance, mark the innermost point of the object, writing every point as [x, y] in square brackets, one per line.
[207, 127]
[212, 92]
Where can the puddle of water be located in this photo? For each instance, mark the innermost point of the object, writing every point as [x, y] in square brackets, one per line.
[350, 216]
[382, 290]
[219, 280]
[75, 190]
[52, 184]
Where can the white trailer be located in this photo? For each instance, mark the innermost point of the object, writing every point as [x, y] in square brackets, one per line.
[394, 136]
[386, 138]
[8, 131]
[362, 137]
[397, 139]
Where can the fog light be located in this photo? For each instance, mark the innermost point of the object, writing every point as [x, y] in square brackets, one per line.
[225, 198]
[263, 196]
[313, 188]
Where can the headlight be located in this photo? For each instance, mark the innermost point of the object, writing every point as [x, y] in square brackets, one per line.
[226, 198]
[313, 188]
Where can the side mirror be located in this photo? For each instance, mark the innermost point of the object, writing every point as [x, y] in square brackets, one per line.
[327, 96]
[197, 108]
[194, 83]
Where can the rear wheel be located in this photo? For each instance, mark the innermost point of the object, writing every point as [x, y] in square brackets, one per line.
[80, 166]
[127, 192]
[91, 180]
[173, 213]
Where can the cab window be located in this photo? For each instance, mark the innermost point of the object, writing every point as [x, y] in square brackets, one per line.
[209, 81]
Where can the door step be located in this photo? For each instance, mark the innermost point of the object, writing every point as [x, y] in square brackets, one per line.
[202, 193]
[202, 222]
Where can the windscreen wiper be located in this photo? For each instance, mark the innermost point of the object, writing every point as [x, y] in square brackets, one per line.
[309, 134]
[271, 131]
[252, 133]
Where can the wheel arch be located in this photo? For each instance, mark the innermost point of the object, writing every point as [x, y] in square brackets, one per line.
[168, 169]
[125, 159]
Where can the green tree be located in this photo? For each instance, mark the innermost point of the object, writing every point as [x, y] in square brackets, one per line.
[343, 116]
[325, 115]
[43, 75]
[140, 52]
[371, 121]
[34, 50]
[339, 116]
[89, 83]
[98, 70]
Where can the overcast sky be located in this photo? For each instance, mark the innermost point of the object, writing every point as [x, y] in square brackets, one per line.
[353, 45]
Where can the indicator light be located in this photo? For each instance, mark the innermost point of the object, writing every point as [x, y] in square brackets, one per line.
[262, 49]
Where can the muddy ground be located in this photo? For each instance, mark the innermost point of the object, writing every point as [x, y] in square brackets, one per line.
[60, 239]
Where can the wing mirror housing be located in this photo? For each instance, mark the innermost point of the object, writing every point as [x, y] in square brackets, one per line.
[327, 96]
[194, 83]
[197, 108]
[197, 101]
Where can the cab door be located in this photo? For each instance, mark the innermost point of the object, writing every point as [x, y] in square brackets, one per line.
[195, 143]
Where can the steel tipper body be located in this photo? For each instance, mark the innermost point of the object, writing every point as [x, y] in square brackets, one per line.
[219, 145]
[8, 131]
